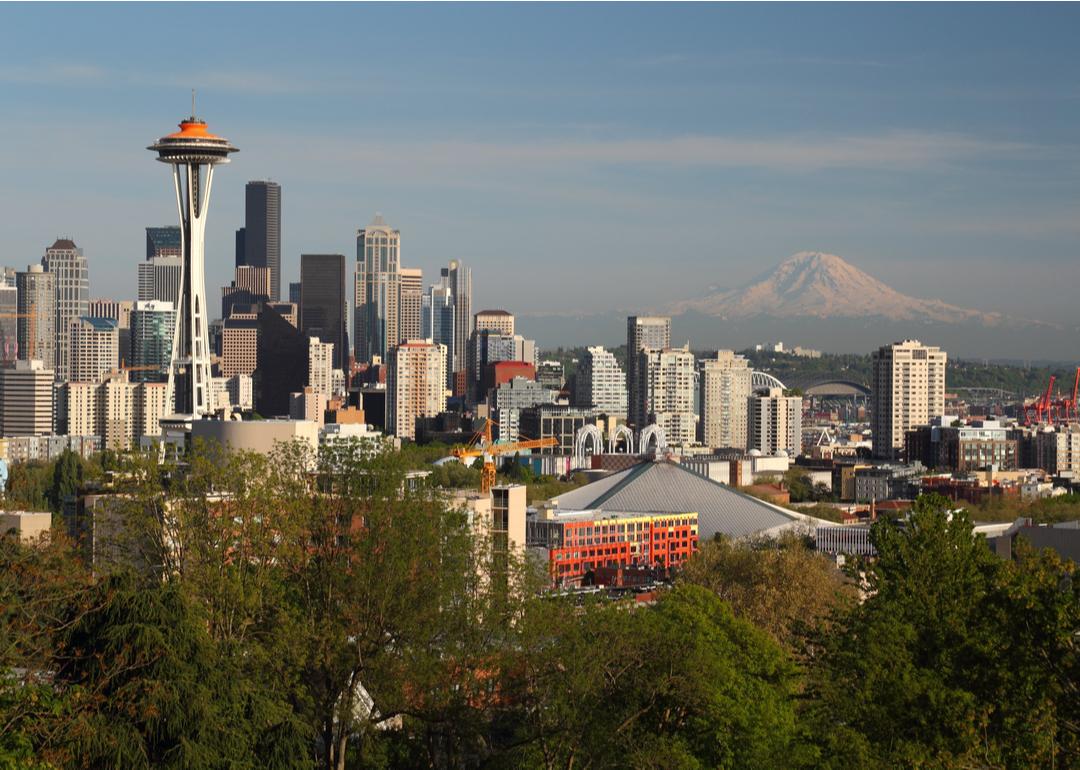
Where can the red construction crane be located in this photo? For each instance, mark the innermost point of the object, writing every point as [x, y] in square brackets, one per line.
[1065, 408]
[1040, 407]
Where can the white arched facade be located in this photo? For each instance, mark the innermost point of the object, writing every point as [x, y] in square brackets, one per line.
[652, 433]
[622, 431]
[587, 434]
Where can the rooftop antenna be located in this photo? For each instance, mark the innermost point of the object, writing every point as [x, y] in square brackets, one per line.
[193, 102]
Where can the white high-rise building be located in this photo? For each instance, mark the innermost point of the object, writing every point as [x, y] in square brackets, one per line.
[415, 386]
[94, 349]
[377, 291]
[458, 280]
[775, 422]
[669, 379]
[26, 399]
[642, 333]
[120, 411]
[153, 323]
[601, 382]
[907, 389]
[37, 316]
[66, 262]
[725, 388]
[438, 311]
[321, 366]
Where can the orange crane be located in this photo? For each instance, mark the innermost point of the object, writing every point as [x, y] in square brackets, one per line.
[481, 445]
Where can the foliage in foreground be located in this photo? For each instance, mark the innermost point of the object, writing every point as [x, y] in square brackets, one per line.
[301, 611]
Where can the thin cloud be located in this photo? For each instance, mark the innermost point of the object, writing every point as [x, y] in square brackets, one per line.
[890, 151]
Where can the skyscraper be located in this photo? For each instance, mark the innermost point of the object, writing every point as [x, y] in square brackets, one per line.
[162, 242]
[250, 286]
[642, 333]
[322, 301]
[409, 304]
[152, 327]
[192, 152]
[9, 326]
[458, 279]
[66, 261]
[415, 386]
[160, 278]
[262, 230]
[775, 422]
[294, 292]
[26, 398]
[601, 383]
[377, 291]
[94, 349]
[725, 388]
[907, 389]
[37, 316]
[439, 324]
[668, 393]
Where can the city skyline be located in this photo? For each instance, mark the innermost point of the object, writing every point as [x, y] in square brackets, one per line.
[899, 152]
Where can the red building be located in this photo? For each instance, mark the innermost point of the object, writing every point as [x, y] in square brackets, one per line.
[580, 541]
[503, 371]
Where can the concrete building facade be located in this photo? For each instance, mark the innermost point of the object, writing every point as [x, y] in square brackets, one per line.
[775, 422]
[724, 393]
[907, 389]
[66, 262]
[415, 386]
[642, 333]
[601, 382]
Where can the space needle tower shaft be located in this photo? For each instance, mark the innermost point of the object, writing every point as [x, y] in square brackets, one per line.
[192, 152]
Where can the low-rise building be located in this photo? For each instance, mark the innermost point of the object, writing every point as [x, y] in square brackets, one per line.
[577, 542]
[29, 526]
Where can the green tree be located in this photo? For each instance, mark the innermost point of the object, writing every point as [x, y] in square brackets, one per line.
[681, 684]
[956, 659]
[756, 579]
[66, 474]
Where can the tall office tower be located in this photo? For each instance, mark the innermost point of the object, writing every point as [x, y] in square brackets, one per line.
[642, 333]
[26, 399]
[321, 366]
[415, 386]
[409, 303]
[37, 316]
[192, 152]
[725, 388]
[9, 326]
[240, 344]
[95, 346]
[601, 383]
[240, 247]
[7, 276]
[322, 302]
[775, 422]
[669, 379]
[290, 311]
[500, 321]
[439, 309]
[152, 325]
[262, 230]
[160, 278]
[294, 293]
[282, 363]
[250, 286]
[163, 242]
[458, 279]
[377, 291]
[119, 311]
[490, 347]
[66, 261]
[907, 389]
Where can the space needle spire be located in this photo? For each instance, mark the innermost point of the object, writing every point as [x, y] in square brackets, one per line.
[192, 152]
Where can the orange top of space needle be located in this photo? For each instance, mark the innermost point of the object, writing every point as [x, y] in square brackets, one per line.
[192, 144]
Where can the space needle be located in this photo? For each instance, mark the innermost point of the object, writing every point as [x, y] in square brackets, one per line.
[192, 152]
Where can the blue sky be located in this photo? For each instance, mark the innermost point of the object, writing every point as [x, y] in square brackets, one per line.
[580, 157]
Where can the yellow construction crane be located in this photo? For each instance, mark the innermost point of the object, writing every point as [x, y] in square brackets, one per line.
[481, 445]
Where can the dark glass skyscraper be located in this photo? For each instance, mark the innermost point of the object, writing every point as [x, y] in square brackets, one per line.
[162, 242]
[322, 301]
[262, 231]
